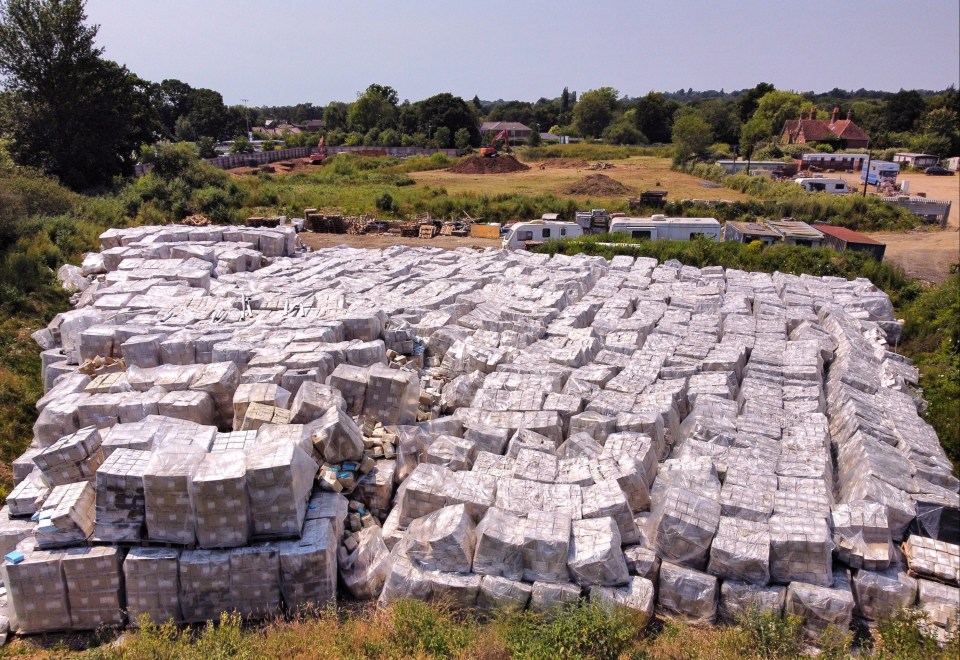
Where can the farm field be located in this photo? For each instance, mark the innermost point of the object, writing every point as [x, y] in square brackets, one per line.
[638, 173]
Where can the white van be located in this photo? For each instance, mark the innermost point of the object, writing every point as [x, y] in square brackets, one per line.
[539, 230]
[823, 184]
[659, 227]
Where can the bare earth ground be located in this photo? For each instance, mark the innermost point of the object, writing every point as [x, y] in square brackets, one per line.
[638, 173]
[926, 254]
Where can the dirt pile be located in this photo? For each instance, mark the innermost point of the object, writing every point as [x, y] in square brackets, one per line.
[484, 165]
[597, 184]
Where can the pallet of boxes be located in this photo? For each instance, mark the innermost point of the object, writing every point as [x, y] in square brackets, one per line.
[490, 430]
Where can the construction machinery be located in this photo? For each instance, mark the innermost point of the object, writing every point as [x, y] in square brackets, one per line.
[321, 154]
[492, 150]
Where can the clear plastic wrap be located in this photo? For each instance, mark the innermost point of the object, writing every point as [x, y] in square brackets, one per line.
[687, 592]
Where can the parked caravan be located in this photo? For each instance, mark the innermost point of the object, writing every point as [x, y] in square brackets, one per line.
[823, 184]
[881, 171]
[659, 227]
[536, 231]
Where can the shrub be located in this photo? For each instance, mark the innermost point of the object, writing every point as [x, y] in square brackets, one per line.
[773, 635]
[419, 628]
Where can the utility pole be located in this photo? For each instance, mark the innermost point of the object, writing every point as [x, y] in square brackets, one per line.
[246, 115]
[866, 175]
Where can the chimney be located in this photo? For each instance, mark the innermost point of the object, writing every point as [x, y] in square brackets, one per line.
[836, 112]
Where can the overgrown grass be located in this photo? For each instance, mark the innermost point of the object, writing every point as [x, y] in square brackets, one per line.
[588, 151]
[773, 199]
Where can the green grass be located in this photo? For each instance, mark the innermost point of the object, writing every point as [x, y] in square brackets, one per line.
[589, 151]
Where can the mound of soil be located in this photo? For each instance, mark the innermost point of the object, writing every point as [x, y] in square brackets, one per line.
[484, 165]
[597, 184]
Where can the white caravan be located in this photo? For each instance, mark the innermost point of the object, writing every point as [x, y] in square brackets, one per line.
[659, 227]
[823, 184]
[535, 231]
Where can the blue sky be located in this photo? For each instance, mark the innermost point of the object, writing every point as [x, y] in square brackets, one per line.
[288, 51]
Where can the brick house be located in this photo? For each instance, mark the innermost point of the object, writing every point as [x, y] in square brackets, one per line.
[807, 130]
[516, 131]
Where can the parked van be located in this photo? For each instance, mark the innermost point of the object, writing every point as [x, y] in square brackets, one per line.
[822, 184]
[881, 171]
[535, 231]
[659, 227]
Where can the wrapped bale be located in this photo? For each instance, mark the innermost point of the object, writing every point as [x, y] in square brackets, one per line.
[861, 535]
[12, 531]
[392, 395]
[594, 556]
[821, 607]
[404, 579]
[220, 381]
[500, 593]
[255, 581]
[629, 475]
[313, 399]
[548, 596]
[329, 506]
[166, 483]
[443, 540]
[120, 512]
[93, 587]
[527, 439]
[366, 568]
[218, 496]
[279, 479]
[263, 393]
[375, 488]
[308, 567]
[737, 599]
[74, 457]
[422, 493]
[336, 437]
[28, 496]
[546, 544]
[535, 466]
[882, 593]
[638, 595]
[683, 526]
[941, 604]
[800, 550]
[605, 499]
[452, 452]
[499, 549]
[204, 584]
[351, 382]
[456, 590]
[37, 592]
[930, 558]
[741, 551]
[151, 577]
[67, 516]
[594, 424]
[642, 561]
[687, 592]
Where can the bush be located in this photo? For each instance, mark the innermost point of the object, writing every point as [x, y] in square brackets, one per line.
[773, 635]
[422, 629]
[903, 636]
[385, 203]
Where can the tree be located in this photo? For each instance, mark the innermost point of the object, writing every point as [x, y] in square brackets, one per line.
[747, 101]
[753, 133]
[691, 136]
[941, 121]
[375, 108]
[206, 147]
[68, 111]
[534, 139]
[335, 116]
[594, 110]
[461, 139]
[903, 110]
[449, 112]
[654, 117]
[442, 137]
[623, 131]
[776, 107]
[723, 119]
[241, 145]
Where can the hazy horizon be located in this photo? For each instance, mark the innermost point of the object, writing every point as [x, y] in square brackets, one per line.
[292, 51]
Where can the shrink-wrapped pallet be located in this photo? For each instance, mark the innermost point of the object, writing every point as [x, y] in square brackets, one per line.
[596, 425]
[375, 488]
[546, 544]
[312, 400]
[880, 594]
[548, 596]
[941, 604]
[800, 550]
[279, 478]
[365, 569]
[233, 440]
[120, 513]
[934, 559]
[351, 382]
[629, 474]
[606, 499]
[443, 540]
[687, 592]
[28, 496]
[861, 535]
[821, 607]
[37, 592]
[527, 439]
[391, 395]
[535, 465]
[218, 496]
[499, 548]
[220, 380]
[13, 530]
[741, 551]
[267, 394]
[336, 437]
[500, 593]
[422, 493]
[332, 507]
[308, 567]
[93, 587]
[166, 483]
[151, 578]
[255, 581]
[74, 457]
[738, 599]
[67, 516]
[452, 452]
[204, 585]
[191, 406]
[683, 526]
[594, 556]
[637, 595]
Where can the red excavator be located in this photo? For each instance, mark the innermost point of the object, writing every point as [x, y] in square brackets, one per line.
[321, 153]
[491, 151]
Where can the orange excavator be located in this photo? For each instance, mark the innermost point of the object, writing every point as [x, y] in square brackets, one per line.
[321, 153]
[491, 151]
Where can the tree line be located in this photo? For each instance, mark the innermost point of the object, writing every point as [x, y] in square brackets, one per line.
[69, 112]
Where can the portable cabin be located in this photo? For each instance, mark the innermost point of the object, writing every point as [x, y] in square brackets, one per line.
[823, 184]
[794, 232]
[748, 232]
[841, 239]
[659, 227]
[536, 231]
[880, 171]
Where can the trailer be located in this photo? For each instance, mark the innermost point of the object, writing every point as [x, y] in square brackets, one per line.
[659, 227]
[881, 171]
[523, 234]
[823, 184]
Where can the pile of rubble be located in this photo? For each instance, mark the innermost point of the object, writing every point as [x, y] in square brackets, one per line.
[493, 429]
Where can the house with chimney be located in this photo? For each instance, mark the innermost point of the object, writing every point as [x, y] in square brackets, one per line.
[840, 133]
